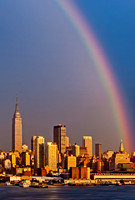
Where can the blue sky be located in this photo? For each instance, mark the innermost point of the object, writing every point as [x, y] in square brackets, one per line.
[43, 61]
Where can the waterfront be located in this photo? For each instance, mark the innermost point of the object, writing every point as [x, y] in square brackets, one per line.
[67, 192]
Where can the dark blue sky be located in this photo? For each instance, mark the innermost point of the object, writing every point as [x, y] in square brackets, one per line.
[43, 61]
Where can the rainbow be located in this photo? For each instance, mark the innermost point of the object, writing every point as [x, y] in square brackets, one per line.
[103, 68]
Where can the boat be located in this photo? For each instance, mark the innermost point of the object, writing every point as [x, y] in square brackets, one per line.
[24, 184]
[43, 185]
[71, 184]
[117, 183]
[38, 185]
[8, 183]
[34, 184]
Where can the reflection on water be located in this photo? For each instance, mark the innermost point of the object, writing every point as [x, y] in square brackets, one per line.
[67, 192]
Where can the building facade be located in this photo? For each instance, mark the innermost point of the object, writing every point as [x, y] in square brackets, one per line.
[33, 144]
[87, 142]
[76, 150]
[51, 155]
[66, 141]
[71, 161]
[39, 152]
[98, 150]
[118, 158]
[59, 137]
[17, 130]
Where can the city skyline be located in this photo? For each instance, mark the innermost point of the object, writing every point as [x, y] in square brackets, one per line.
[59, 137]
[44, 61]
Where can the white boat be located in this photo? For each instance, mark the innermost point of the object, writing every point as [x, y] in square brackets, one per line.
[23, 184]
[118, 183]
[8, 183]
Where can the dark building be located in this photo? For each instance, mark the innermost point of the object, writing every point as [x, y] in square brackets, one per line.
[98, 150]
[33, 144]
[59, 137]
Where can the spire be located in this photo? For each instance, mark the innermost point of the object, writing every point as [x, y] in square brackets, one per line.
[16, 107]
[121, 149]
[17, 114]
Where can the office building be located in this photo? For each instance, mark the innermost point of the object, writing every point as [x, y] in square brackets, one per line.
[83, 172]
[74, 172]
[121, 157]
[25, 158]
[59, 137]
[12, 158]
[76, 150]
[33, 144]
[66, 141]
[39, 152]
[87, 142]
[98, 150]
[71, 161]
[17, 130]
[83, 151]
[51, 155]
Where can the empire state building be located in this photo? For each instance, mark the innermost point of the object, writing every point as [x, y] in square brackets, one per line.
[17, 130]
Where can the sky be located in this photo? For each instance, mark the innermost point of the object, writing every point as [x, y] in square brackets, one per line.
[45, 64]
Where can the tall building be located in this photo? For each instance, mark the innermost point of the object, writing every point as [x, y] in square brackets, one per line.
[119, 158]
[12, 158]
[59, 137]
[39, 152]
[71, 161]
[76, 150]
[33, 144]
[83, 151]
[98, 150]
[121, 148]
[66, 141]
[51, 155]
[25, 156]
[17, 130]
[87, 142]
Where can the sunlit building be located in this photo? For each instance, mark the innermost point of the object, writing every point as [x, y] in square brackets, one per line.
[25, 158]
[12, 157]
[71, 161]
[17, 130]
[33, 144]
[121, 157]
[76, 150]
[51, 155]
[39, 152]
[87, 142]
[66, 141]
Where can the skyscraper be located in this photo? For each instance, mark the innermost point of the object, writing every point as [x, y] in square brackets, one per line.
[87, 142]
[121, 148]
[66, 141]
[17, 130]
[76, 150]
[39, 152]
[59, 137]
[98, 150]
[51, 155]
[33, 144]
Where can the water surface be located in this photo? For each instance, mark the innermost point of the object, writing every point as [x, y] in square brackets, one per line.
[67, 192]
